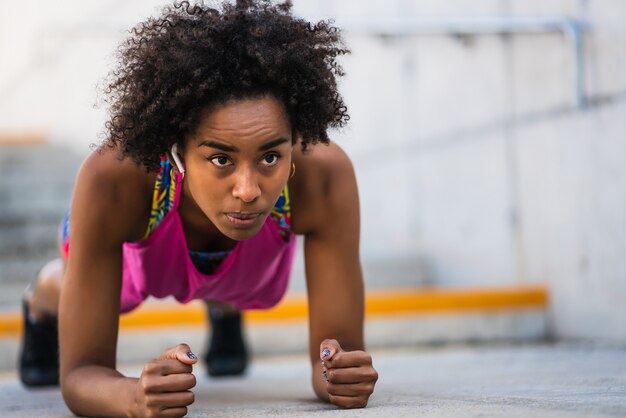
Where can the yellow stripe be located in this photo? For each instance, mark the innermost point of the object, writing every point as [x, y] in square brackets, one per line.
[454, 300]
[10, 324]
[378, 303]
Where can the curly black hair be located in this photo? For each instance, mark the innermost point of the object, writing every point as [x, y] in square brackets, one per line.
[193, 56]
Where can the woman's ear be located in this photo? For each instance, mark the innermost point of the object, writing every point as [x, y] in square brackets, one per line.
[177, 160]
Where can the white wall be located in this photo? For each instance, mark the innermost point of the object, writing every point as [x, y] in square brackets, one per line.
[475, 165]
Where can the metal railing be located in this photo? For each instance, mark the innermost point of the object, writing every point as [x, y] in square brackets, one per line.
[571, 28]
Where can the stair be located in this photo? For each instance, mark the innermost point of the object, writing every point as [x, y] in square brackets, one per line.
[36, 187]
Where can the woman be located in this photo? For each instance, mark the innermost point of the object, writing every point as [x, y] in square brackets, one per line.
[209, 170]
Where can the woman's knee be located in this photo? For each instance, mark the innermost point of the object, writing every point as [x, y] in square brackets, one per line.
[43, 297]
[51, 275]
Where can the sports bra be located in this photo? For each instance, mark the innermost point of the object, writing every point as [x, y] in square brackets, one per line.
[163, 201]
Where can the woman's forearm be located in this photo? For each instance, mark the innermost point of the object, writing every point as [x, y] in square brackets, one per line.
[97, 391]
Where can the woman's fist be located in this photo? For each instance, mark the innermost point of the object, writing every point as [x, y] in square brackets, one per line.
[163, 390]
[350, 376]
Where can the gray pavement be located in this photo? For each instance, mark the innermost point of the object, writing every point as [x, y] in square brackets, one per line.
[558, 380]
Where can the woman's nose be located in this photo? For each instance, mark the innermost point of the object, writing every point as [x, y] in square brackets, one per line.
[246, 187]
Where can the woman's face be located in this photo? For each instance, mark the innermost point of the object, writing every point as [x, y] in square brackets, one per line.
[237, 162]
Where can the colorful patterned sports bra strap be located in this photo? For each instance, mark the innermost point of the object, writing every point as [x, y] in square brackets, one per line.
[163, 196]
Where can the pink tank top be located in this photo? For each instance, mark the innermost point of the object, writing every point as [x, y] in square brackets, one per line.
[253, 276]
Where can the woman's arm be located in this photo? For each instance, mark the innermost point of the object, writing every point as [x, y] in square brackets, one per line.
[107, 210]
[328, 215]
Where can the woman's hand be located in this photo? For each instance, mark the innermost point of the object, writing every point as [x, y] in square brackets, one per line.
[350, 376]
[163, 390]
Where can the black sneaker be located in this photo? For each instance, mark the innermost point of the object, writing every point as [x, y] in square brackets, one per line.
[227, 354]
[39, 358]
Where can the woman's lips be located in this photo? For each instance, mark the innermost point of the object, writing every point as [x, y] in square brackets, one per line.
[243, 219]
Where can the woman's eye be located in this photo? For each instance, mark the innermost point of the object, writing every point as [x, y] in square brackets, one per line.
[270, 160]
[220, 161]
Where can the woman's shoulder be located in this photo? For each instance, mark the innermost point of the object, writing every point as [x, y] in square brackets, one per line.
[323, 180]
[117, 188]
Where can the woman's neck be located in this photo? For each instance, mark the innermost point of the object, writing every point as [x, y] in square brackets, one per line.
[200, 232]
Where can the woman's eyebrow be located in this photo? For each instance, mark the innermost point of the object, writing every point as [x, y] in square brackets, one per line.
[272, 144]
[230, 148]
[219, 146]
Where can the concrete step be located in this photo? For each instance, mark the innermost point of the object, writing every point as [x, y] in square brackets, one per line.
[44, 155]
[394, 318]
[24, 249]
[28, 239]
[36, 187]
[38, 177]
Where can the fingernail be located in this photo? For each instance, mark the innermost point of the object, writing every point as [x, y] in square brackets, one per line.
[325, 374]
[323, 364]
[192, 355]
[325, 353]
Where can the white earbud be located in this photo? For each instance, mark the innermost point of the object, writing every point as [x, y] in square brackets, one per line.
[177, 161]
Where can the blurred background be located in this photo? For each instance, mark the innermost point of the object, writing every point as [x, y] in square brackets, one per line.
[488, 137]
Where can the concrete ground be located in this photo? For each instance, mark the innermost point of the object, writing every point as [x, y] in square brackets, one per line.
[539, 380]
